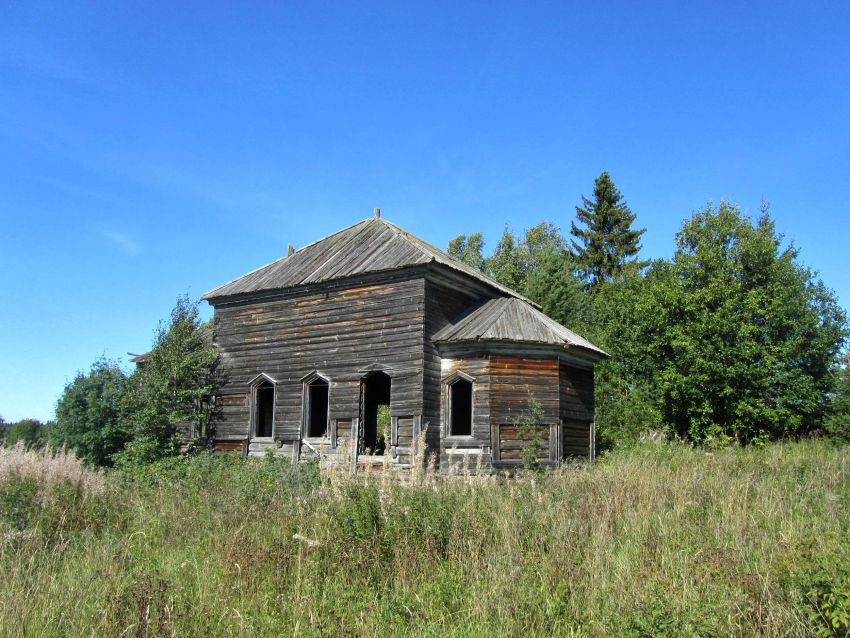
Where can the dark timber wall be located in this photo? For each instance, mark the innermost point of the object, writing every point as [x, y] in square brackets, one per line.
[340, 333]
[516, 380]
[460, 449]
[388, 323]
[576, 409]
[443, 304]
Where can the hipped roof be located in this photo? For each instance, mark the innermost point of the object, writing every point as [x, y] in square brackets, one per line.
[514, 321]
[370, 246]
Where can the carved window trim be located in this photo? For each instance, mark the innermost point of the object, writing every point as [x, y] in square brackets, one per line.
[258, 382]
[448, 384]
[306, 405]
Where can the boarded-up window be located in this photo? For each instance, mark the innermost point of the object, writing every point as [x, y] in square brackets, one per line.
[317, 408]
[264, 409]
[460, 408]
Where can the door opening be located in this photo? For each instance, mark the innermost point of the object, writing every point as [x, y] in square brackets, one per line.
[375, 419]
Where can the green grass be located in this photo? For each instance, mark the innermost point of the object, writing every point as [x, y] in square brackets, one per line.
[660, 540]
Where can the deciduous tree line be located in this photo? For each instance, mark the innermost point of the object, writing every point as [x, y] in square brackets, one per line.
[732, 339]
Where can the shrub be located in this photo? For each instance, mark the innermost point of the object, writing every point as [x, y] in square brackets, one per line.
[50, 492]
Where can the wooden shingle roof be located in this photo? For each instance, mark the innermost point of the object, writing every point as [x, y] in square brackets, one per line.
[512, 320]
[371, 246]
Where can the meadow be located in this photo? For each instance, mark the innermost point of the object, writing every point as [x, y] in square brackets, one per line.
[659, 540]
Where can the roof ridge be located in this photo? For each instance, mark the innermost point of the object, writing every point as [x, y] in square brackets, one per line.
[341, 254]
[572, 336]
[340, 248]
[340, 231]
[535, 326]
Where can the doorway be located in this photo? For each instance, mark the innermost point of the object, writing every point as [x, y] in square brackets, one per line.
[375, 391]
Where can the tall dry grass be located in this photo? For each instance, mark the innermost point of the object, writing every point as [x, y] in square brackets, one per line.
[662, 540]
[47, 468]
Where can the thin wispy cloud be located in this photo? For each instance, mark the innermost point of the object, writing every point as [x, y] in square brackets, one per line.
[123, 242]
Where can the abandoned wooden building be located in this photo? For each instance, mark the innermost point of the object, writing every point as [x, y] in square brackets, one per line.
[358, 345]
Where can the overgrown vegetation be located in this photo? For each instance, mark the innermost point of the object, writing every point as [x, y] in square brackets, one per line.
[88, 415]
[530, 426]
[731, 340]
[27, 432]
[171, 388]
[659, 540]
[107, 417]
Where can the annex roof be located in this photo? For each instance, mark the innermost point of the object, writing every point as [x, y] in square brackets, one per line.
[509, 319]
[370, 246]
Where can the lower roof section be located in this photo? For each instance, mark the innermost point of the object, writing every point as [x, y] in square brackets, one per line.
[508, 320]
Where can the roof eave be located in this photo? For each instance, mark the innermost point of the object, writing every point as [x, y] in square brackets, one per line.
[594, 353]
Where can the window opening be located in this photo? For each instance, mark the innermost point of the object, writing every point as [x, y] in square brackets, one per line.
[460, 408]
[317, 408]
[264, 409]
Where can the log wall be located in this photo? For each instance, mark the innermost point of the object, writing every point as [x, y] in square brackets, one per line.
[576, 410]
[443, 304]
[456, 450]
[338, 333]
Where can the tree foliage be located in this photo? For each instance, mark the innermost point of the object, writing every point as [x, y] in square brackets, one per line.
[615, 318]
[468, 249]
[553, 284]
[88, 419]
[517, 261]
[28, 432]
[171, 387]
[504, 264]
[740, 338]
[605, 242]
[837, 422]
[731, 339]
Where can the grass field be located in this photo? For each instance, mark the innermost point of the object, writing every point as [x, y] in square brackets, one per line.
[660, 540]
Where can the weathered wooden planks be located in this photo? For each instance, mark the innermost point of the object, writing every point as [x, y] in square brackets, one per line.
[338, 333]
[375, 298]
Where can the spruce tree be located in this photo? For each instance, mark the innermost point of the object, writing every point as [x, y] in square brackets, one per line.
[607, 243]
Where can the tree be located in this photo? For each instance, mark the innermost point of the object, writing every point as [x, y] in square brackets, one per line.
[740, 338]
[616, 318]
[607, 244]
[172, 387]
[515, 262]
[28, 432]
[837, 422]
[552, 283]
[469, 250]
[504, 264]
[87, 414]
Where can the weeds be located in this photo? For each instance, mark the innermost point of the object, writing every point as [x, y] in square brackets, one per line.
[660, 540]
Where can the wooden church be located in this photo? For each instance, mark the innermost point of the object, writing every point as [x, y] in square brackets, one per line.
[371, 341]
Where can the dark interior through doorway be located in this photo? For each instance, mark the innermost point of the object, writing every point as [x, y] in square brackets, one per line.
[375, 393]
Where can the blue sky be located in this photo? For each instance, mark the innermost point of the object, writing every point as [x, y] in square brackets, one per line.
[153, 149]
